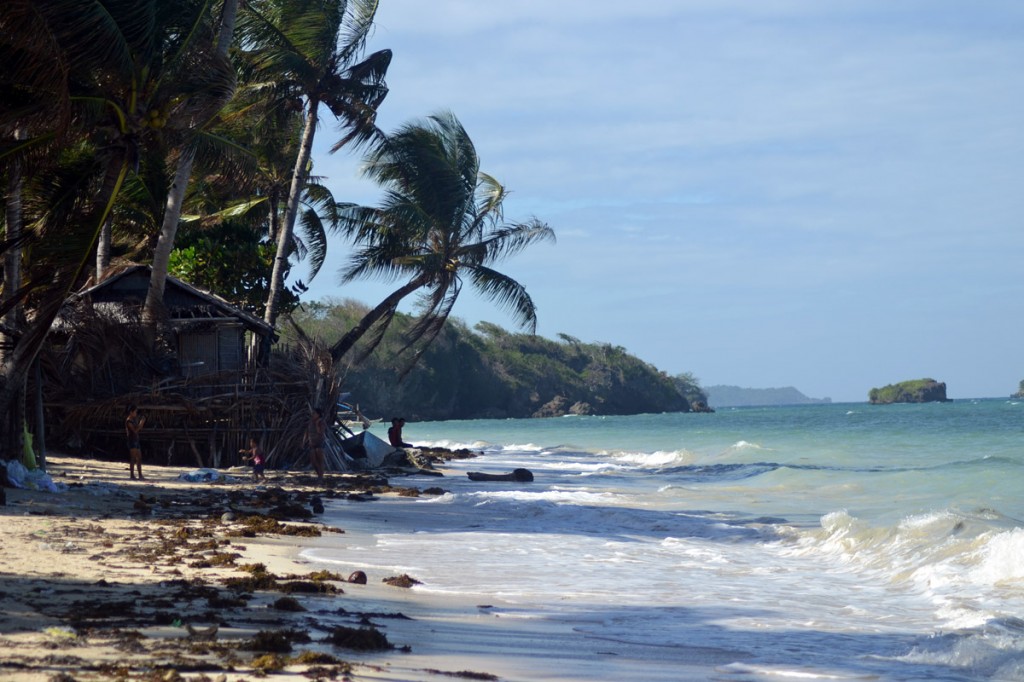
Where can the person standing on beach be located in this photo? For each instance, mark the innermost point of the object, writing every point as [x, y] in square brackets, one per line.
[133, 424]
[255, 453]
[315, 440]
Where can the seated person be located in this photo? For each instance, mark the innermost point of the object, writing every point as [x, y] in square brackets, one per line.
[395, 433]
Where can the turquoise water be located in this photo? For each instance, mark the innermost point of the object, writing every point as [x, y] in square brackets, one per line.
[878, 460]
[826, 541]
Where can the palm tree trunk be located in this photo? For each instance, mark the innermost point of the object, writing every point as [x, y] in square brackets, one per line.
[385, 307]
[284, 238]
[103, 250]
[151, 312]
[12, 257]
[227, 27]
[176, 197]
[14, 403]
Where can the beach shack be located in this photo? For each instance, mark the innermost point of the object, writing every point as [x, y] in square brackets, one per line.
[199, 383]
[209, 333]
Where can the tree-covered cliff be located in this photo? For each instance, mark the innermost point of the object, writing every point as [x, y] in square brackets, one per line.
[488, 372]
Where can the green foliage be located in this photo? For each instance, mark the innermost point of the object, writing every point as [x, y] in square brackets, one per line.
[489, 372]
[227, 259]
[913, 391]
[689, 386]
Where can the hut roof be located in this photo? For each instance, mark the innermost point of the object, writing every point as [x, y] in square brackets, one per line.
[183, 302]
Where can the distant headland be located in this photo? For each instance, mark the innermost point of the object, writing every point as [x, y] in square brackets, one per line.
[913, 391]
[735, 396]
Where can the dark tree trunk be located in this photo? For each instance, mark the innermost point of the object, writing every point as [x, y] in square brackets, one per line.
[386, 307]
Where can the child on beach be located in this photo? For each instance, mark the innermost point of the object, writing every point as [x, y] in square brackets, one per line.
[133, 424]
[255, 453]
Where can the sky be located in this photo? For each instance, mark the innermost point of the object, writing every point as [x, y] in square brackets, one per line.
[762, 193]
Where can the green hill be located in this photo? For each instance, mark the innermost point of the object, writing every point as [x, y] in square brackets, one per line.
[914, 391]
[488, 372]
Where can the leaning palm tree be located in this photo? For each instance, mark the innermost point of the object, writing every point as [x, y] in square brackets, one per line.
[313, 47]
[440, 224]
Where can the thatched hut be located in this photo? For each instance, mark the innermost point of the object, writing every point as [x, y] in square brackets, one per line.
[198, 381]
[208, 334]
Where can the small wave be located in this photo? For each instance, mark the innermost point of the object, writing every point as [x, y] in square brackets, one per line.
[1000, 559]
[662, 459]
[522, 447]
[994, 650]
[711, 473]
[556, 496]
[456, 445]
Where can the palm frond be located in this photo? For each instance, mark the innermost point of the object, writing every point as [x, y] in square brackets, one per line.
[506, 293]
[372, 261]
[507, 240]
[314, 237]
[356, 27]
[34, 81]
[427, 327]
[217, 152]
[236, 209]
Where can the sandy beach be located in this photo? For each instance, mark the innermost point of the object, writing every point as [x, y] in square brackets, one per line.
[169, 579]
[166, 579]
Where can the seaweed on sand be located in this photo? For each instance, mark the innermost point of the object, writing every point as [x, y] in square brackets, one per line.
[360, 639]
[259, 524]
[404, 580]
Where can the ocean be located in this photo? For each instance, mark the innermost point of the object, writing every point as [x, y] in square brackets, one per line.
[842, 541]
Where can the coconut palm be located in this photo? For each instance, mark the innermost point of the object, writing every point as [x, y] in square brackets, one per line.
[440, 224]
[119, 76]
[226, 202]
[179, 185]
[313, 48]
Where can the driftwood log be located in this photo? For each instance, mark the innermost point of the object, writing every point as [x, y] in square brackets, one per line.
[516, 475]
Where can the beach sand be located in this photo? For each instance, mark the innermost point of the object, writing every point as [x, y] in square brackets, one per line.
[165, 579]
[122, 579]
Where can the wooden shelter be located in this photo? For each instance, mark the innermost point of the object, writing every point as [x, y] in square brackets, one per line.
[197, 382]
[209, 334]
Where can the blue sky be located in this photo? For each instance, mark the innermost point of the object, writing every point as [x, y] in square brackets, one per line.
[826, 195]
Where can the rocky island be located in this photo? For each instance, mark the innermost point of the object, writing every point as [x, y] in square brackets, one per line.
[915, 391]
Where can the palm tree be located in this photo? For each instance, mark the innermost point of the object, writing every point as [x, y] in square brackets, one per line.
[312, 46]
[440, 224]
[179, 185]
[255, 203]
[120, 75]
